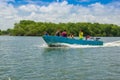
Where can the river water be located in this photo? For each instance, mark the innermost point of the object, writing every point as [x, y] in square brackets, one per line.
[29, 58]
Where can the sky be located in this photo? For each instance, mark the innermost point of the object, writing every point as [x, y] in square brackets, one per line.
[101, 11]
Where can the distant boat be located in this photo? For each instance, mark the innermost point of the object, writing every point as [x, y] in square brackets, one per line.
[58, 40]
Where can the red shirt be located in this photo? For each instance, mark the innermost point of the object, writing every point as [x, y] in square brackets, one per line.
[64, 34]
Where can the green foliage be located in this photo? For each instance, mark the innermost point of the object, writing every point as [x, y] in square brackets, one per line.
[0, 32]
[31, 28]
[5, 32]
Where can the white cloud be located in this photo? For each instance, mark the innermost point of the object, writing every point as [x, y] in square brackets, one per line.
[7, 14]
[59, 12]
[28, 8]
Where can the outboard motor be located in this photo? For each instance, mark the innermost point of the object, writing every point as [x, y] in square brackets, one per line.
[97, 39]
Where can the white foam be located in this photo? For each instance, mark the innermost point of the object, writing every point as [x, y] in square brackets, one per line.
[79, 46]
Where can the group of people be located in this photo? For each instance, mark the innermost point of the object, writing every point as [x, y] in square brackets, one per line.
[64, 34]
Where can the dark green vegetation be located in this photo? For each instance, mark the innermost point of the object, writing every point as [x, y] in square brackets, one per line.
[5, 32]
[31, 28]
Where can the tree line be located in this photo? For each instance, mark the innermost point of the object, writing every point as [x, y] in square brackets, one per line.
[32, 28]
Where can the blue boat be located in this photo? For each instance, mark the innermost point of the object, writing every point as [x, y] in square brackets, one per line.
[55, 40]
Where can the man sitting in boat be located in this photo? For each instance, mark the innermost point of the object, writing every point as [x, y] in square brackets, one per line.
[81, 35]
[58, 33]
[64, 33]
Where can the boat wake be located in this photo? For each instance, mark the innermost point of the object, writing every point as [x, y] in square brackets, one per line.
[63, 45]
[112, 44]
[109, 44]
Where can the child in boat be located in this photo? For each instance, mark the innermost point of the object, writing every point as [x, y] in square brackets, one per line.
[46, 33]
[87, 37]
[71, 36]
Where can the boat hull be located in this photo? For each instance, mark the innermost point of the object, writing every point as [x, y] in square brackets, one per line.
[53, 40]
